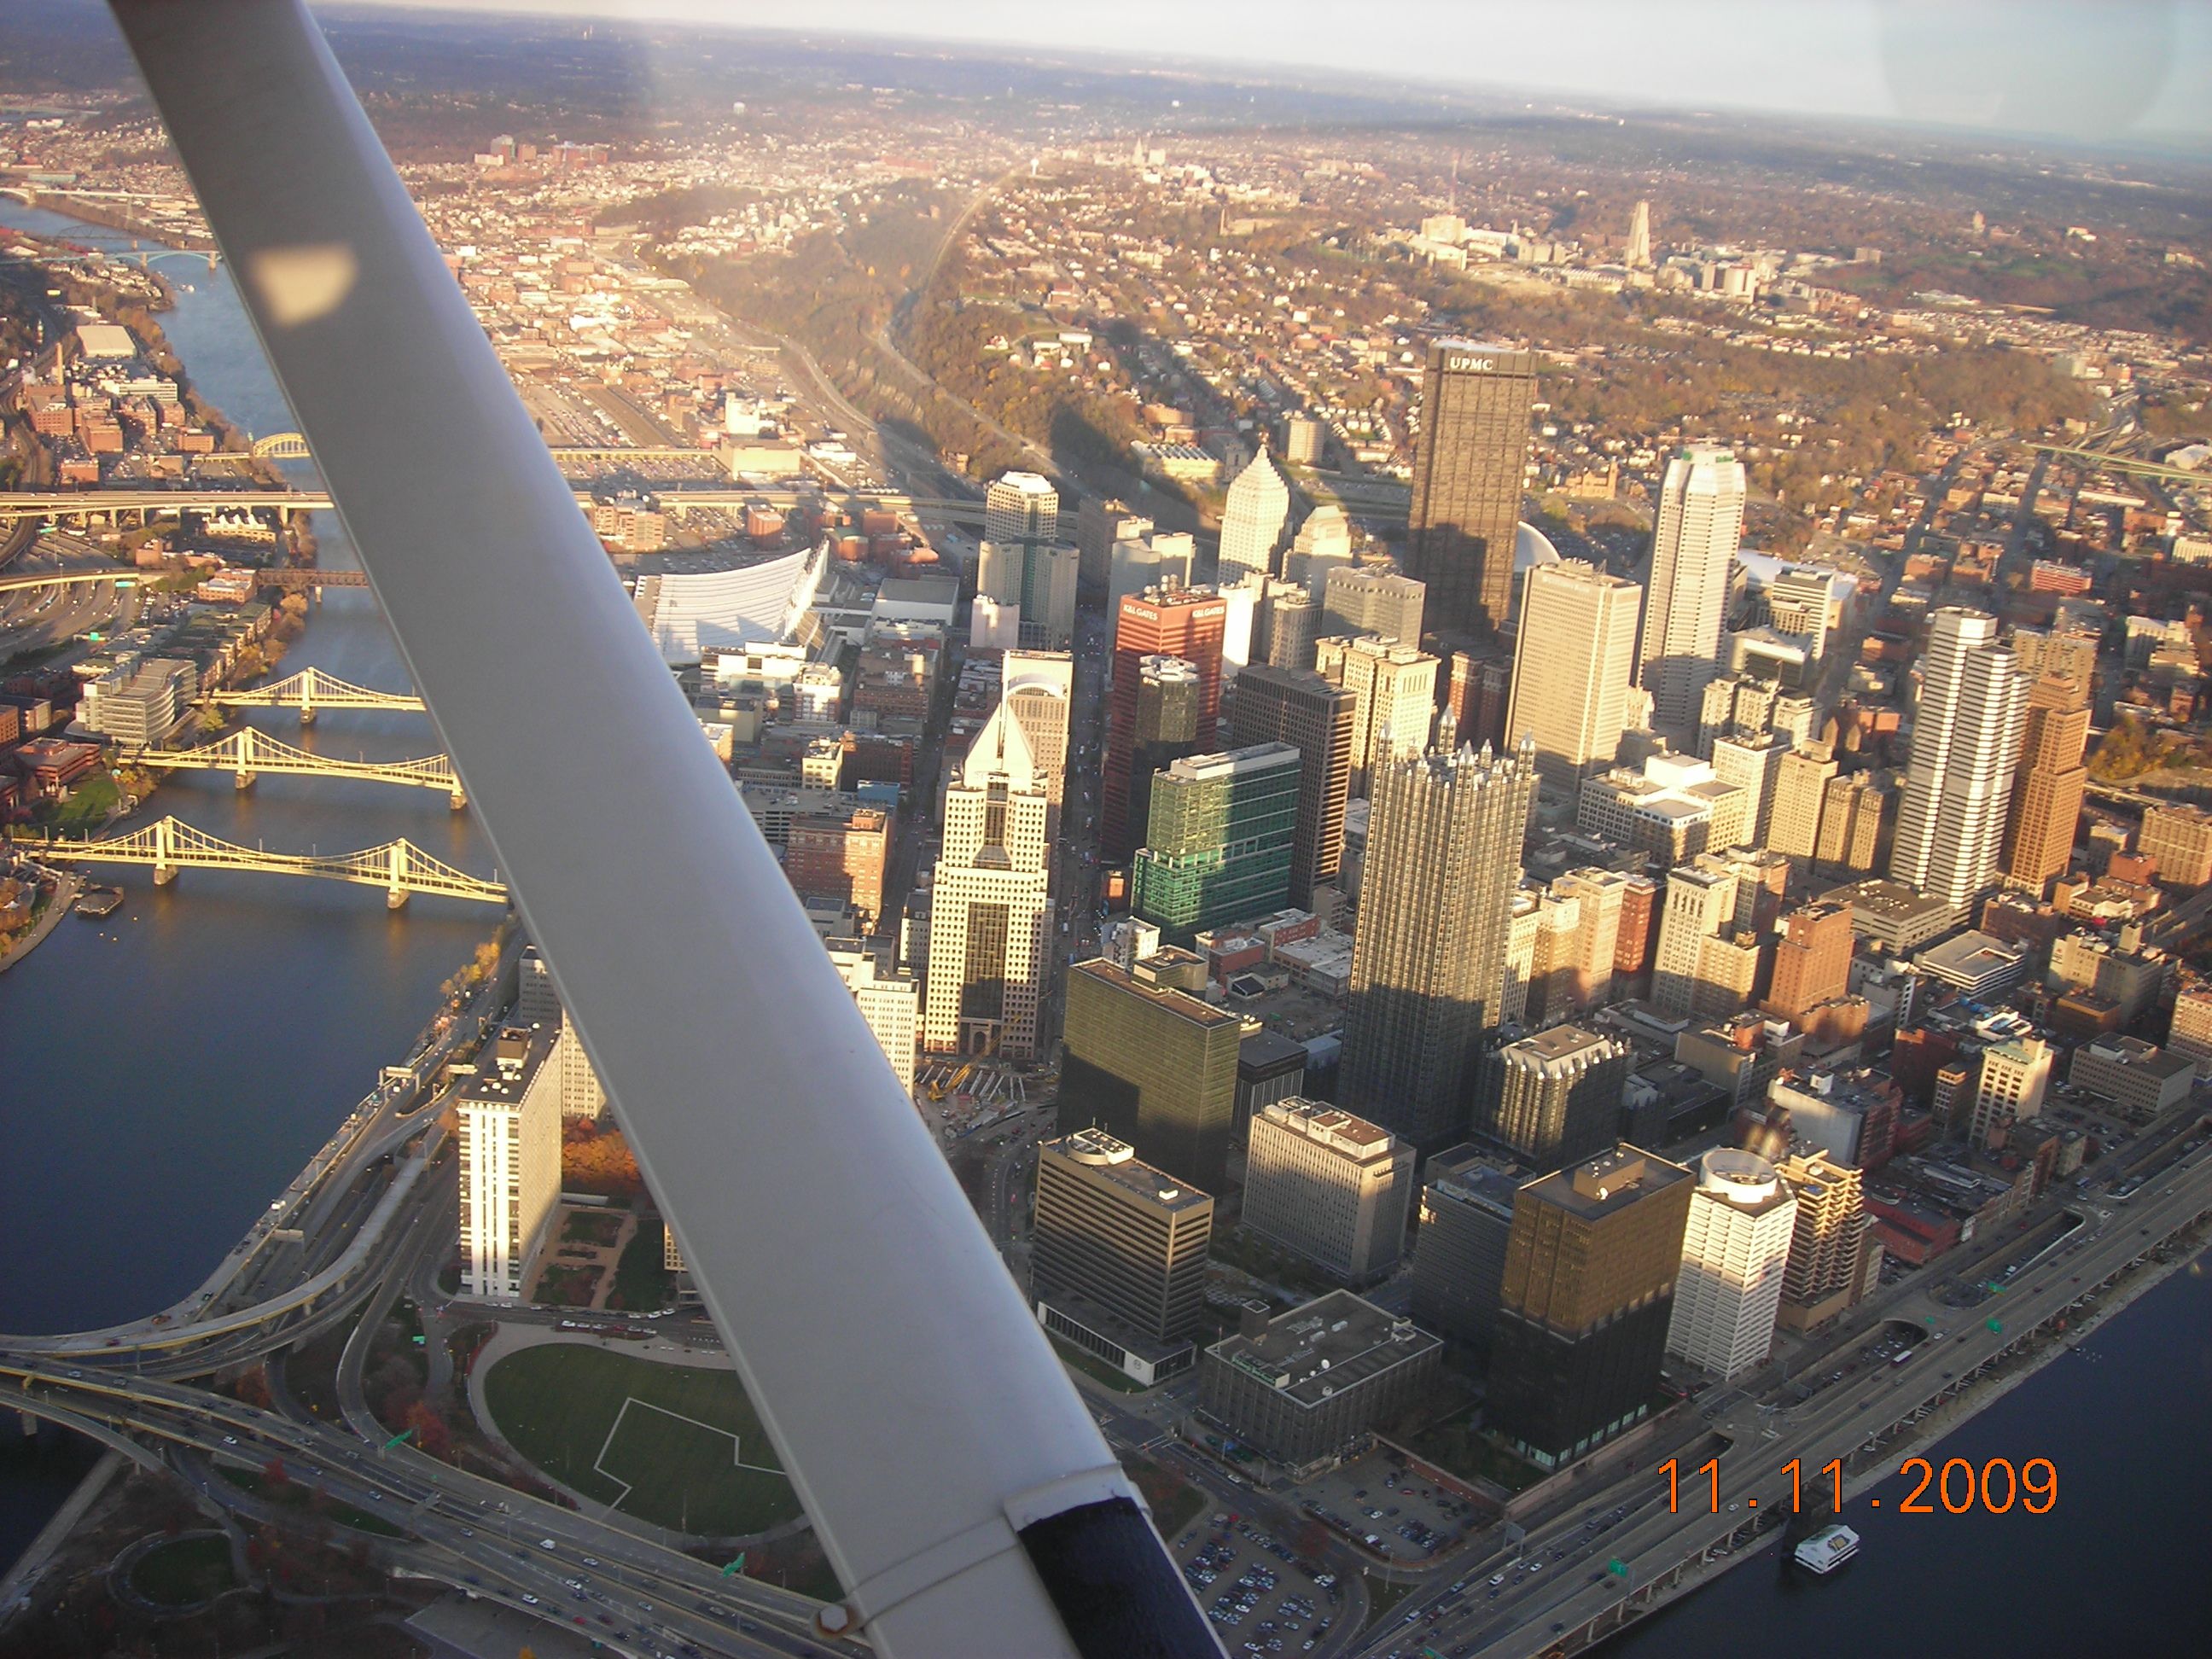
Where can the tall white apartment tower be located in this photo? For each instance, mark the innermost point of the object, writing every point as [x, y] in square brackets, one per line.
[1021, 506]
[509, 1167]
[990, 927]
[1252, 522]
[1735, 1253]
[1700, 525]
[1966, 742]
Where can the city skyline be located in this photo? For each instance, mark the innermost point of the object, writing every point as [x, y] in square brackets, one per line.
[863, 930]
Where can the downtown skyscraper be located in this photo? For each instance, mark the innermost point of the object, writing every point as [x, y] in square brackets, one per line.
[1428, 960]
[1252, 522]
[990, 924]
[1966, 738]
[1571, 670]
[1700, 525]
[2048, 783]
[1185, 623]
[1467, 475]
[1280, 705]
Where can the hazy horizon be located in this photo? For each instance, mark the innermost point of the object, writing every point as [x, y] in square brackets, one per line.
[2117, 72]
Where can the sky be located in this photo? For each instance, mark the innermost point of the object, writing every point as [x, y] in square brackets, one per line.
[2103, 71]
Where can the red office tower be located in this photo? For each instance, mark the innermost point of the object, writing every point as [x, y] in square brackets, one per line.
[1638, 937]
[1174, 622]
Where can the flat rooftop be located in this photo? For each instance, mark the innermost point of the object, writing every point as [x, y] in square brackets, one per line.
[1115, 1162]
[1180, 1004]
[1605, 1185]
[1330, 1345]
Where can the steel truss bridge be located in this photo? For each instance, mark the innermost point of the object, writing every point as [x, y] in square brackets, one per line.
[311, 692]
[248, 753]
[296, 579]
[400, 867]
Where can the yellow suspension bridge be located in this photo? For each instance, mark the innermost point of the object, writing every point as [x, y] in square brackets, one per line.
[400, 867]
[311, 691]
[248, 753]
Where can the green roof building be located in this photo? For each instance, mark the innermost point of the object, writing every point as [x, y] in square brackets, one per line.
[1219, 841]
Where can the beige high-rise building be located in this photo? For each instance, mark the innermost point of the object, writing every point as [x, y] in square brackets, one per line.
[1831, 1256]
[1584, 972]
[1396, 686]
[1573, 669]
[581, 1093]
[1357, 602]
[1797, 717]
[1039, 686]
[1801, 783]
[1855, 811]
[1524, 920]
[1293, 623]
[1021, 506]
[2074, 655]
[1558, 919]
[1331, 1187]
[1037, 579]
[1735, 1252]
[890, 1002]
[2048, 784]
[2015, 1075]
[1711, 948]
[990, 930]
[508, 1123]
[2190, 1033]
[1753, 763]
[2180, 839]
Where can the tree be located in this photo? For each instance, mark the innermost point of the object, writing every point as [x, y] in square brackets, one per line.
[273, 1475]
[431, 1434]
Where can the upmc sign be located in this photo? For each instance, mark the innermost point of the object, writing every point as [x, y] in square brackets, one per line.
[1470, 365]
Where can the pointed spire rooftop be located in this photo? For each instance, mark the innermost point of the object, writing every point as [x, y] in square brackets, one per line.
[1261, 478]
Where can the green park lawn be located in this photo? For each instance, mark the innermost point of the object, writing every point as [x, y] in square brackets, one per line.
[184, 1572]
[676, 1446]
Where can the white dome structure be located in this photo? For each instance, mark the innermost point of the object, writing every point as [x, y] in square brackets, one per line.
[1531, 546]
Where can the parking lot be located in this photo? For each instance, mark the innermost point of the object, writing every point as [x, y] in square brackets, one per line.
[1252, 1588]
[1410, 1518]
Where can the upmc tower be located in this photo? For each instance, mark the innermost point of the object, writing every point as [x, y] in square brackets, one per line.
[1467, 472]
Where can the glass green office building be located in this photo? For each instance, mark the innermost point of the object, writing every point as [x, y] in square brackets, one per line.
[1218, 839]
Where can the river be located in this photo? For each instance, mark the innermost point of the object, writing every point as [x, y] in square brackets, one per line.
[2114, 1568]
[166, 1070]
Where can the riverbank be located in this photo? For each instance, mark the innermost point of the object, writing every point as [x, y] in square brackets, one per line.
[16, 1583]
[97, 213]
[1867, 1471]
[66, 888]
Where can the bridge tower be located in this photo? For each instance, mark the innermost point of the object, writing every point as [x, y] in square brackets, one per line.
[395, 896]
[308, 680]
[165, 852]
[242, 774]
